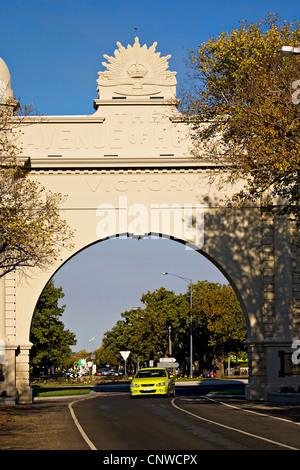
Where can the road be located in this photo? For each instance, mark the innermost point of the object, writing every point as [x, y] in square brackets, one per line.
[110, 420]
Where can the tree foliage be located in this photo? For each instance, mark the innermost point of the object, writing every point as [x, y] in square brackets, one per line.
[51, 342]
[218, 327]
[241, 109]
[219, 320]
[32, 232]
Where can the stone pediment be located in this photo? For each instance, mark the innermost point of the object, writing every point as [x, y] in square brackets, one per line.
[136, 72]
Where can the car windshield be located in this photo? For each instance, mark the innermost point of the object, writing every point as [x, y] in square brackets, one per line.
[151, 373]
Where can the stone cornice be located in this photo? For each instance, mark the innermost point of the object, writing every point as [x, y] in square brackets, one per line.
[115, 162]
[80, 119]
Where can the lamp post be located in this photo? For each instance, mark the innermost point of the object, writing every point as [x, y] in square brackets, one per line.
[286, 51]
[189, 281]
[93, 347]
[93, 352]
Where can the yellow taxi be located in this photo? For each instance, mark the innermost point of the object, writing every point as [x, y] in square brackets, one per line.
[152, 381]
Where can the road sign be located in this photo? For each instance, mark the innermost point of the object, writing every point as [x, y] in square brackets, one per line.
[167, 359]
[125, 354]
[168, 365]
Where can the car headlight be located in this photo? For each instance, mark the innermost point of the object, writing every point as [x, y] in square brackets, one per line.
[134, 385]
[161, 384]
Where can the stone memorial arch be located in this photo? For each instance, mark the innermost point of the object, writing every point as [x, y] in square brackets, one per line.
[127, 171]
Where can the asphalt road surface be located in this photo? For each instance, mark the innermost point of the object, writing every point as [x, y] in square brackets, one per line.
[110, 420]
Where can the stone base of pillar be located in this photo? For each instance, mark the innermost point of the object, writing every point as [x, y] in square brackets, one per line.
[14, 374]
[255, 392]
[11, 400]
[22, 374]
[271, 369]
[25, 395]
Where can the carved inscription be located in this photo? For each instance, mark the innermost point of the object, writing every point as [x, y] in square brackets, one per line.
[145, 132]
[140, 184]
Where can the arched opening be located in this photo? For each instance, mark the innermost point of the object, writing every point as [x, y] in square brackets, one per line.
[110, 276]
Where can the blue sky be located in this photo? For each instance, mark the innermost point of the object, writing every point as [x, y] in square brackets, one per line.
[54, 49]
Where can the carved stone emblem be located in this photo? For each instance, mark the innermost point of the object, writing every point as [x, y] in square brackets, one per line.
[136, 71]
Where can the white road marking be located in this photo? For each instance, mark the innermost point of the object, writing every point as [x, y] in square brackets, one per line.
[231, 428]
[80, 429]
[252, 411]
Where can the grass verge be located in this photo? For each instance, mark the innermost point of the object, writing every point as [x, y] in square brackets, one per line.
[59, 391]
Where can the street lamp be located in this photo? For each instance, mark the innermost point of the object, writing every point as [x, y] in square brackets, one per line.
[189, 281]
[287, 51]
[93, 351]
[93, 347]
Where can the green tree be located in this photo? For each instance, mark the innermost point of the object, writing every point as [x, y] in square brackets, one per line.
[112, 344]
[51, 341]
[146, 331]
[219, 323]
[167, 319]
[242, 115]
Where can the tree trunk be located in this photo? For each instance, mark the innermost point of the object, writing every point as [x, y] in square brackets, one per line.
[220, 367]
